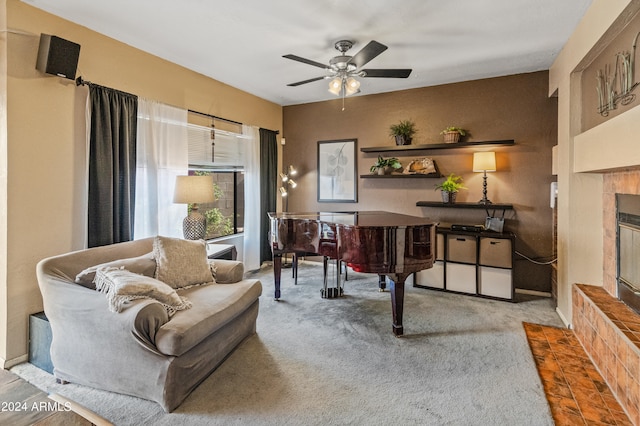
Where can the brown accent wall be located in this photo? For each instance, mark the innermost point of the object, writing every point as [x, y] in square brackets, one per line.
[513, 107]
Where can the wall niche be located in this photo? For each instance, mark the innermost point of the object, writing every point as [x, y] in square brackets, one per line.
[610, 84]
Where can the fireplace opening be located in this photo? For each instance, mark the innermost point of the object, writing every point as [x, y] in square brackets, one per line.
[628, 249]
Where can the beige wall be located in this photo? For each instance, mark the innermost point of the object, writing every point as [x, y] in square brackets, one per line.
[45, 173]
[3, 176]
[514, 107]
[580, 220]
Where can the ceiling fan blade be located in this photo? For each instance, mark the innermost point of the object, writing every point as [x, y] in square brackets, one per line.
[306, 61]
[395, 73]
[367, 53]
[305, 81]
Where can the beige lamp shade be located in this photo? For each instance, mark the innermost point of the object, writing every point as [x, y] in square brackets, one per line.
[193, 189]
[484, 161]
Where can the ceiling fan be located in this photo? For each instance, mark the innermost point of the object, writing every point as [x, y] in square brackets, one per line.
[343, 68]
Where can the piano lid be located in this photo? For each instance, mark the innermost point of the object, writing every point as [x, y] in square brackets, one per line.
[356, 218]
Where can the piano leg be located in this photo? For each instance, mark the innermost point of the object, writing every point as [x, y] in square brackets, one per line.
[294, 269]
[396, 287]
[325, 266]
[382, 283]
[277, 272]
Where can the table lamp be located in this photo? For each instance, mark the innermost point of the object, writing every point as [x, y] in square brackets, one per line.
[484, 162]
[194, 190]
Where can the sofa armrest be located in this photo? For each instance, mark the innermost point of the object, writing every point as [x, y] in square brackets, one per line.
[228, 271]
[84, 329]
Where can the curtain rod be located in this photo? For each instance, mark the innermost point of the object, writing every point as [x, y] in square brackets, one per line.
[277, 132]
[82, 82]
[216, 117]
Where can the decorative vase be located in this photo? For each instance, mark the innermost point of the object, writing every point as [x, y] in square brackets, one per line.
[451, 137]
[448, 197]
[382, 170]
[402, 140]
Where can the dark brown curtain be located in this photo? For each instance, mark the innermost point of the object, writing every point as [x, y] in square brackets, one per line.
[112, 165]
[268, 187]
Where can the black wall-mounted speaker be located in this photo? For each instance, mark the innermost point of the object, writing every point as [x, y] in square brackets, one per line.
[58, 56]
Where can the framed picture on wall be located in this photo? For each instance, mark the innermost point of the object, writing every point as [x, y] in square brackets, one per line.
[337, 171]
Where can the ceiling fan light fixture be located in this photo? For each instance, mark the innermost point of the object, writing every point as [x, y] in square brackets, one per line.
[352, 86]
[335, 86]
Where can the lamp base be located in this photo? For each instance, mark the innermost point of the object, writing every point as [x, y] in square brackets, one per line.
[484, 190]
[194, 226]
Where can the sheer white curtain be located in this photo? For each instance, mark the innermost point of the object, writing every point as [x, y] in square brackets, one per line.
[162, 154]
[251, 247]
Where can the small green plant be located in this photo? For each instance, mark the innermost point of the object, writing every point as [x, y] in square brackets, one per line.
[405, 128]
[453, 183]
[381, 163]
[454, 129]
[217, 224]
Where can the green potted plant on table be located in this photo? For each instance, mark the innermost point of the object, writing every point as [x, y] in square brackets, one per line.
[403, 132]
[452, 134]
[383, 165]
[450, 188]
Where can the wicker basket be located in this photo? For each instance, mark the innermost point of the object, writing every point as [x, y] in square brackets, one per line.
[451, 137]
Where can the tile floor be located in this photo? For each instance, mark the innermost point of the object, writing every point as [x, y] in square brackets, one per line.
[576, 392]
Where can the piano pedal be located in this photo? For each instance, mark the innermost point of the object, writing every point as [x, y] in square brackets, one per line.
[331, 293]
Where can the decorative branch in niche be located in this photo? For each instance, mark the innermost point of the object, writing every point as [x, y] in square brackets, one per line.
[616, 88]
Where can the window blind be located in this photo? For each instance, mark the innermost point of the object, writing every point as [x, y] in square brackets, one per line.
[225, 151]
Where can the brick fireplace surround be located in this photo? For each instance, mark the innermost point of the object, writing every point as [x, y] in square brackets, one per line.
[608, 330]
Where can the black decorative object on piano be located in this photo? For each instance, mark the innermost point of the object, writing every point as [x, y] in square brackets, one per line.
[405, 245]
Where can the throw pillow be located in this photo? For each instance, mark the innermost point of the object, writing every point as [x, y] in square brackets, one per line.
[121, 286]
[181, 263]
[144, 265]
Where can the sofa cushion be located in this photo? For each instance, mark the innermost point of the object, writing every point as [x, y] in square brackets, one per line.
[181, 263]
[145, 265]
[214, 306]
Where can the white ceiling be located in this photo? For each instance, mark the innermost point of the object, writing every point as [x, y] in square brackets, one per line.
[241, 42]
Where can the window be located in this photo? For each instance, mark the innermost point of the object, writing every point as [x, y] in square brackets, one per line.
[218, 152]
[225, 216]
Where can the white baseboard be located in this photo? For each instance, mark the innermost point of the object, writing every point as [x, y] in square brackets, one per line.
[8, 363]
[564, 319]
[533, 292]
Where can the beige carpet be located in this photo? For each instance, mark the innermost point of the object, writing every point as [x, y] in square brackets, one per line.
[463, 361]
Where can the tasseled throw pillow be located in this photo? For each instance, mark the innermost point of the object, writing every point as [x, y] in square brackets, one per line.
[121, 286]
[144, 265]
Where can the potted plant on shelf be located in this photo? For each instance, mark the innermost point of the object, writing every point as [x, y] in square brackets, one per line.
[452, 134]
[383, 165]
[450, 188]
[403, 132]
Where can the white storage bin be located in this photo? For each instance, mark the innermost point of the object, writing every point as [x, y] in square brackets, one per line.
[461, 277]
[495, 282]
[432, 277]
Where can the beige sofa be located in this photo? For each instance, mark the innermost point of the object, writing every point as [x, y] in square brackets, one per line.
[142, 351]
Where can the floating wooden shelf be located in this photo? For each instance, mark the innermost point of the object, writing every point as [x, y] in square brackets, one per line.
[402, 176]
[433, 146]
[464, 205]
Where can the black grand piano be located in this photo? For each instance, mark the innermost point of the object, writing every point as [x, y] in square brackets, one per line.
[382, 243]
